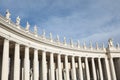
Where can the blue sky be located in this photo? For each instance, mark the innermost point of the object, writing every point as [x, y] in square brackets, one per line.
[84, 20]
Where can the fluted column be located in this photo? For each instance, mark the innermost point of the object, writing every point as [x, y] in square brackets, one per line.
[112, 69]
[44, 66]
[87, 69]
[73, 68]
[35, 65]
[52, 73]
[5, 60]
[59, 68]
[66, 68]
[100, 69]
[26, 64]
[107, 69]
[94, 70]
[80, 68]
[17, 62]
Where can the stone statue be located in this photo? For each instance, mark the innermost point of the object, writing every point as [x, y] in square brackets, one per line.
[78, 43]
[110, 42]
[64, 40]
[71, 42]
[18, 20]
[58, 38]
[117, 45]
[27, 26]
[96, 45]
[7, 15]
[84, 45]
[103, 46]
[50, 36]
[90, 44]
[35, 29]
[43, 34]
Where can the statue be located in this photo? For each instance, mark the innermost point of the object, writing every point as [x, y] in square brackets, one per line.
[110, 43]
[35, 30]
[78, 43]
[27, 26]
[90, 44]
[50, 36]
[71, 42]
[84, 45]
[7, 15]
[96, 45]
[64, 40]
[103, 46]
[18, 21]
[58, 38]
[43, 34]
[117, 45]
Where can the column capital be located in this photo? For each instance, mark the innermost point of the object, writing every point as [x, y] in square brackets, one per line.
[6, 39]
[36, 49]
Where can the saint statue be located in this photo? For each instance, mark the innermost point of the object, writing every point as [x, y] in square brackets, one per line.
[78, 43]
[110, 43]
[18, 20]
[58, 38]
[64, 40]
[27, 26]
[7, 15]
[50, 36]
[35, 29]
[43, 34]
[71, 42]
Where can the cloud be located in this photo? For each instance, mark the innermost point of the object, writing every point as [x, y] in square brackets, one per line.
[77, 19]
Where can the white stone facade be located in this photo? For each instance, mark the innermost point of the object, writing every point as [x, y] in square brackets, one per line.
[25, 55]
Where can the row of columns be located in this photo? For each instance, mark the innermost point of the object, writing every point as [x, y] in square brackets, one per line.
[5, 65]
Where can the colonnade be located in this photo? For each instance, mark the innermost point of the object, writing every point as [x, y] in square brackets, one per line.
[35, 64]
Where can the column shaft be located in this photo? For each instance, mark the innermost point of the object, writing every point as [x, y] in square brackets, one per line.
[100, 69]
[52, 73]
[5, 60]
[107, 69]
[80, 69]
[73, 68]
[66, 67]
[26, 64]
[87, 69]
[44, 66]
[59, 68]
[112, 69]
[94, 70]
[17, 62]
[35, 65]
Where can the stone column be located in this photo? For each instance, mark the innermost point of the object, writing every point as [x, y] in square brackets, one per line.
[17, 62]
[59, 68]
[5, 60]
[73, 68]
[112, 69]
[107, 69]
[80, 68]
[35, 65]
[66, 68]
[56, 74]
[26, 64]
[94, 70]
[100, 69]
[87, 68]
[44, 66]
[52, 73]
